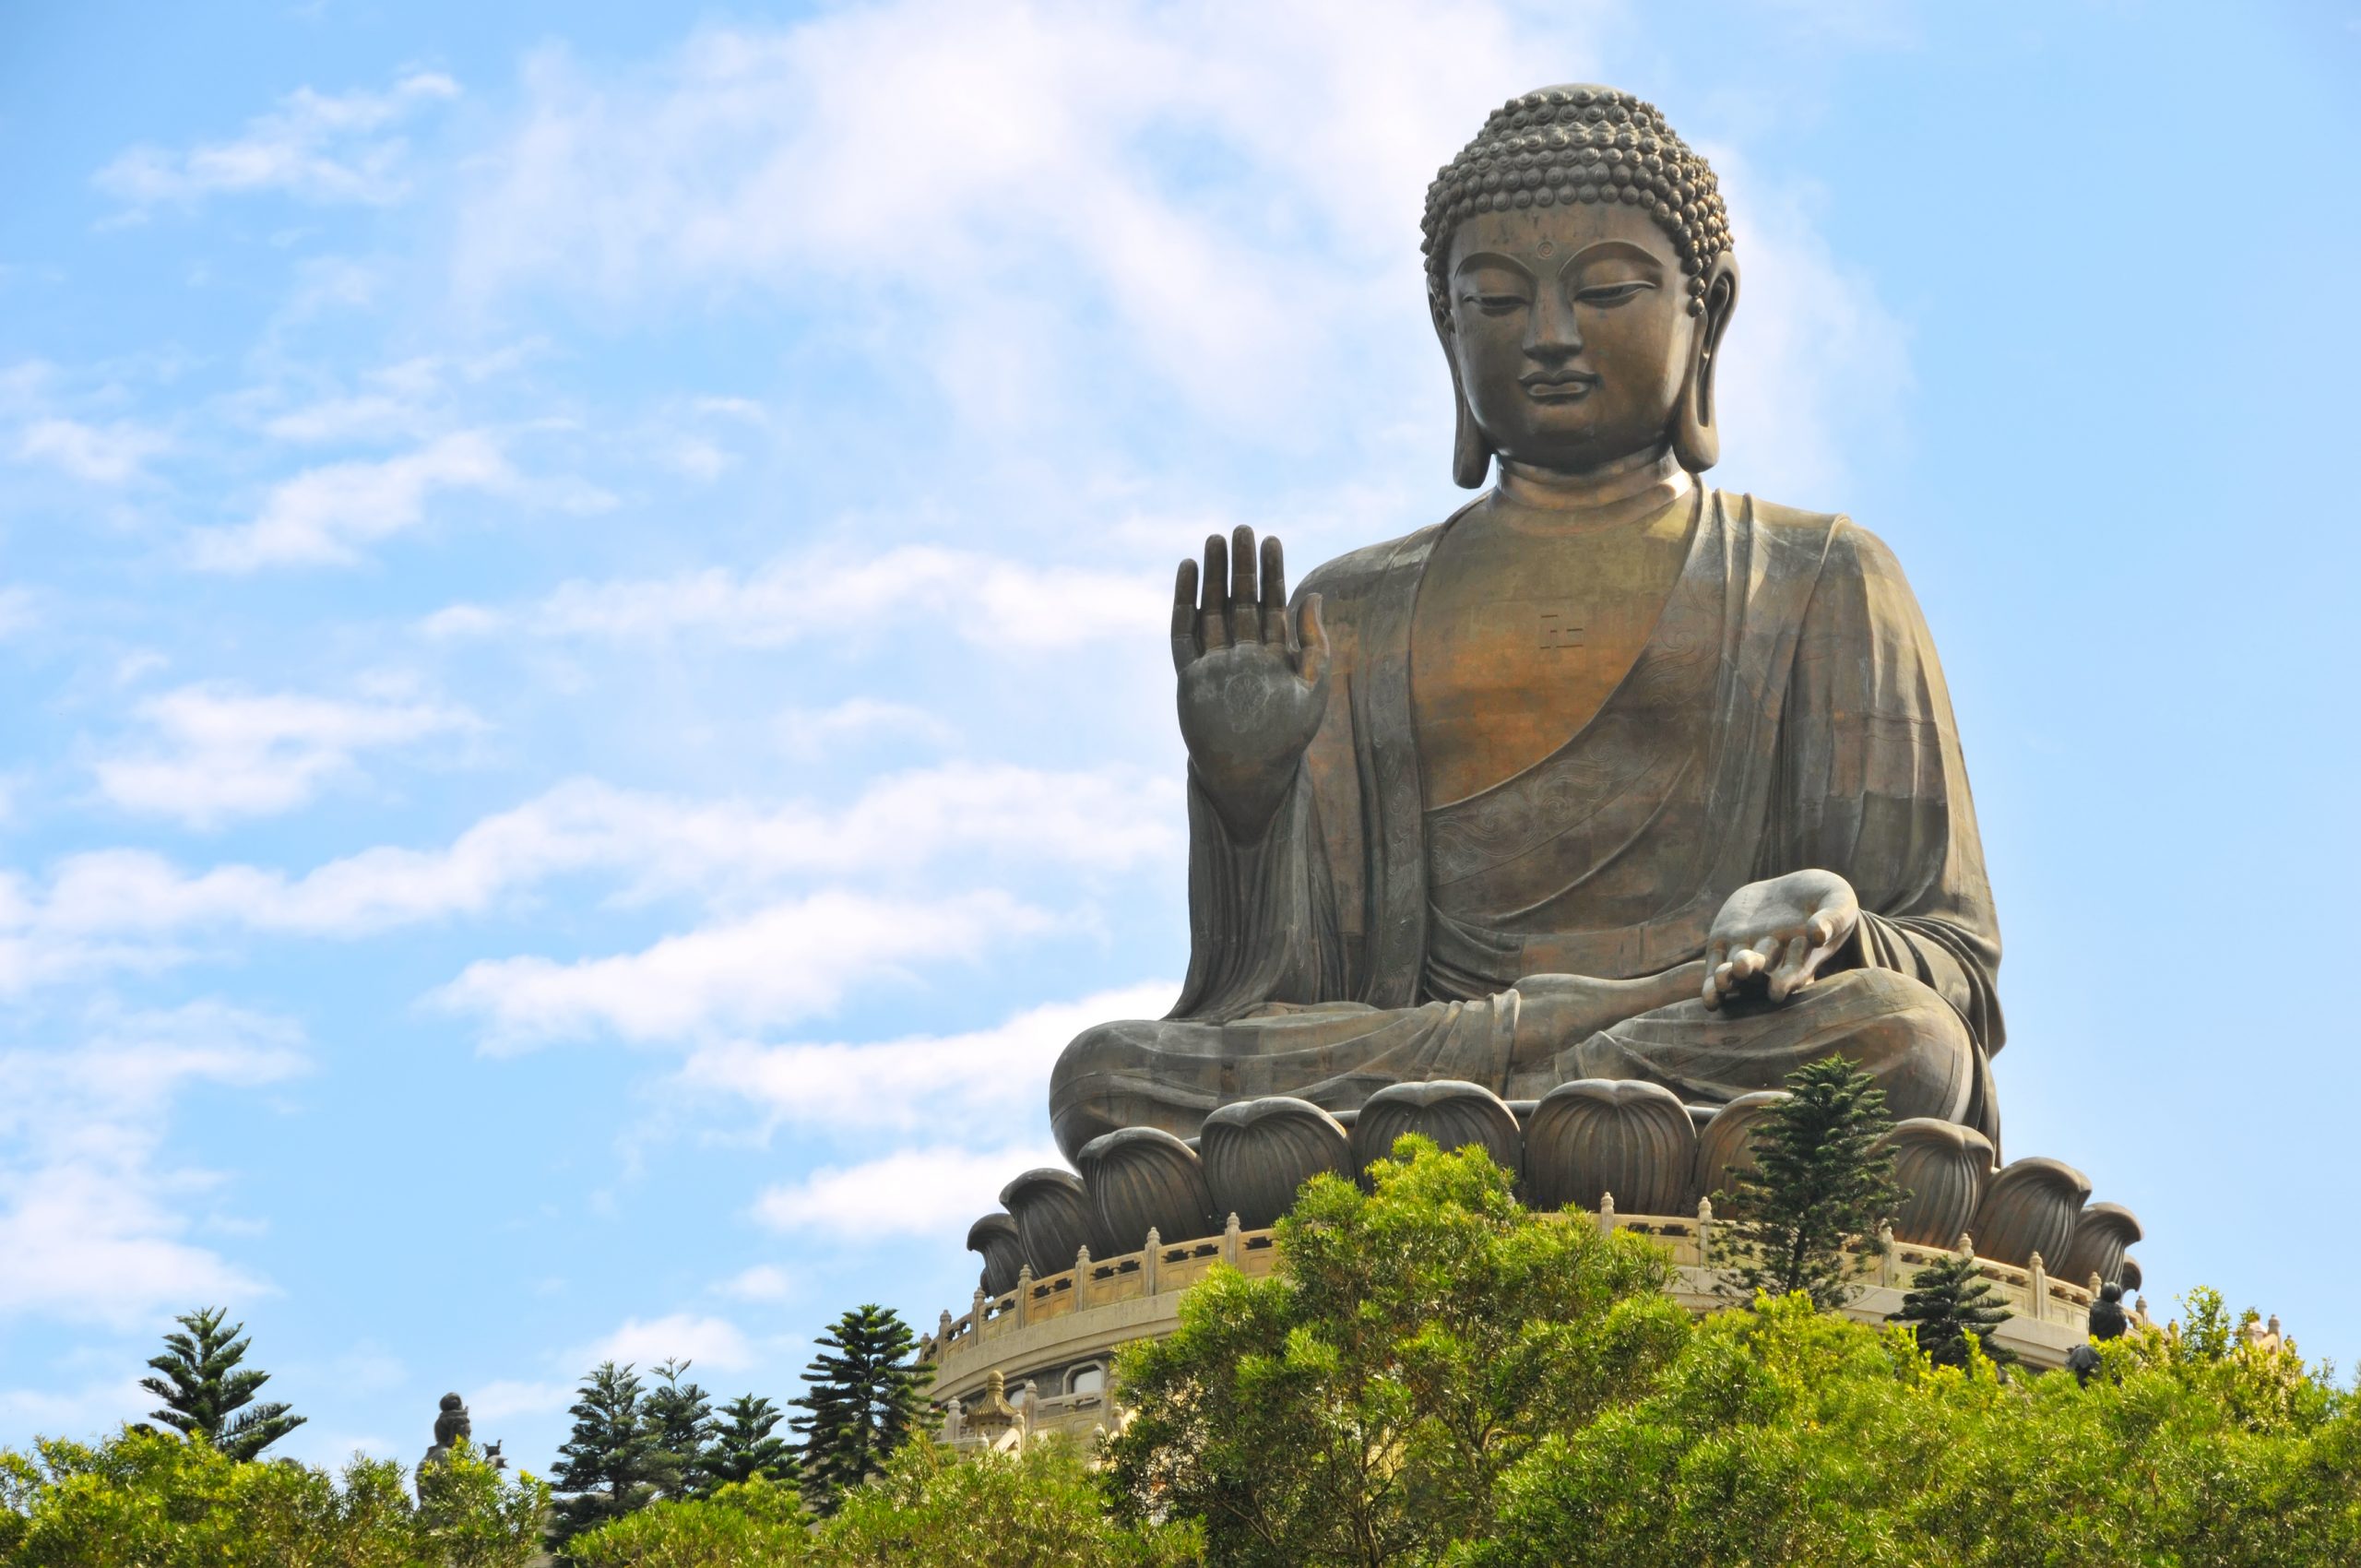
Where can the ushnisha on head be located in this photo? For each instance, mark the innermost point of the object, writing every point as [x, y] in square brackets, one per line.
[451, 1423]
[1580, 273]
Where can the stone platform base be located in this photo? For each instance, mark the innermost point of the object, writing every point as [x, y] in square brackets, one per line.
[1040, 1359]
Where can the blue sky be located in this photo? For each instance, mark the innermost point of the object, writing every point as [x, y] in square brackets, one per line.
[581, 587]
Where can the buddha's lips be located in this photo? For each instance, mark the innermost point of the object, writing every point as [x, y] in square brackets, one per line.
[1559, 389]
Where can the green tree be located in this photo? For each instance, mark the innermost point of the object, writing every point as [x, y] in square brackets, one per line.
[745, 1445]
[680, 1417]
[864, 1393]
[206, 1394]
[1786, 1436]
[738, 1526]
[1357, 1405]
[1820, 1188]
[1040, 1509]
[608, 1466]
[144, 1498]
[1949, 1302]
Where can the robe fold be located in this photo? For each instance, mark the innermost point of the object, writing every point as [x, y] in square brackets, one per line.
[1786, 712]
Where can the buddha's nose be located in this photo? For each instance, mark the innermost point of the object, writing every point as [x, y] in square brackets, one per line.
[1551, 334]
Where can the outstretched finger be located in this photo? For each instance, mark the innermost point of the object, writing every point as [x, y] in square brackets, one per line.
[1245, 597]
[1313, 666]
[1274, 595]
[1212, 619]
[1717, 967]
[1184, 616]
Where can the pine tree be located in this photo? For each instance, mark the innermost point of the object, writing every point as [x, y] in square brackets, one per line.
[864, 1395]
[744, 1446]
[1948, 1300]
[1820, 1187]
[203, 1384]
[610, 1465]
[680, 1417]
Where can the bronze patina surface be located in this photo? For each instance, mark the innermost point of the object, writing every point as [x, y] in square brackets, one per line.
[1610, 774]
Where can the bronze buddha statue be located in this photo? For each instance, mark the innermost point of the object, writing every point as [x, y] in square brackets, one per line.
[1608, 775]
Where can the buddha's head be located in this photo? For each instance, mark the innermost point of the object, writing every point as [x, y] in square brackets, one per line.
[1579, 268]
[451, 1422]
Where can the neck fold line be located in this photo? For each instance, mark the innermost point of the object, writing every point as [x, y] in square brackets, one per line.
[1634, 487]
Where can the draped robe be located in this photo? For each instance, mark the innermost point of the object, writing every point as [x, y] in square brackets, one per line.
[1786, 712]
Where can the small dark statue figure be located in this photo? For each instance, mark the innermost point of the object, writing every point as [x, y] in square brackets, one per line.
[450, 1425]
[2109, 1321]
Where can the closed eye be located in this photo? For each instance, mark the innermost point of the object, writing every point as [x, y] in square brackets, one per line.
[1613, 293]
[1495, 304]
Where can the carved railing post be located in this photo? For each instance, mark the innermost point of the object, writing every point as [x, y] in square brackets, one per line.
[1885, 1254]
[1081, 1275]
[1229, 1240]
[1606, 1214]
[1704, 1232]
[1152, 1263]
[977, 1313]
[2038, 1278]
[1025, 1295]
[950, 1415]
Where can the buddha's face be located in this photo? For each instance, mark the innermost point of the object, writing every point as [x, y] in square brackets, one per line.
[1571, 330]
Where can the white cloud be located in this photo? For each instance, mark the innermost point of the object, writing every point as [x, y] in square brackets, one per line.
[1032, 146]
[110, 454]
[713, 1343]
[18, 611]
[219, 753]
[323, 515]
[790, 961]
[110, 907]
[933, 1192]
[813, 732]
[763, 1282]
[512, 1397]
[320, 147]
[986, 598]
[91, 1410]
[918, 1081]
[93, 1221]
[1815, 364]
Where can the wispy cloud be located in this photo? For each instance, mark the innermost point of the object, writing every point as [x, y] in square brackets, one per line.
[94, 1221]
[919, 1080]
[323, 515]
[111, 454]
[713, 1343]
[318, 147]
[788, 962]
[218, 753]
[930, 1192]
[986, 598]
[114, 908]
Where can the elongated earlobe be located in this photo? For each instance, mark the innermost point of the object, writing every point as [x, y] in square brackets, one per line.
[1696, 439]
[1471, 449]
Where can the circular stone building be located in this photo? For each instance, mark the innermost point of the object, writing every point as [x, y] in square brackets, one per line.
[1077, 1264]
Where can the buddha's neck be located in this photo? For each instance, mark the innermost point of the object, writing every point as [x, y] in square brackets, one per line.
[1545, 500]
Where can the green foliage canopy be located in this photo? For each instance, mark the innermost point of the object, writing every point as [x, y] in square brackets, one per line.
[148, 1500]
[864, 1394]
[206, 1394]
[610, 1465]
[1951, 1311]
[1819, 1186]
[1359, 1405]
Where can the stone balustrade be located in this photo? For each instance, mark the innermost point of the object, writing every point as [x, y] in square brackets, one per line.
[1037, 1334]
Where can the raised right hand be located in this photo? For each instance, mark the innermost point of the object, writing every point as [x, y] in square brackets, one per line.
[1253, 686]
